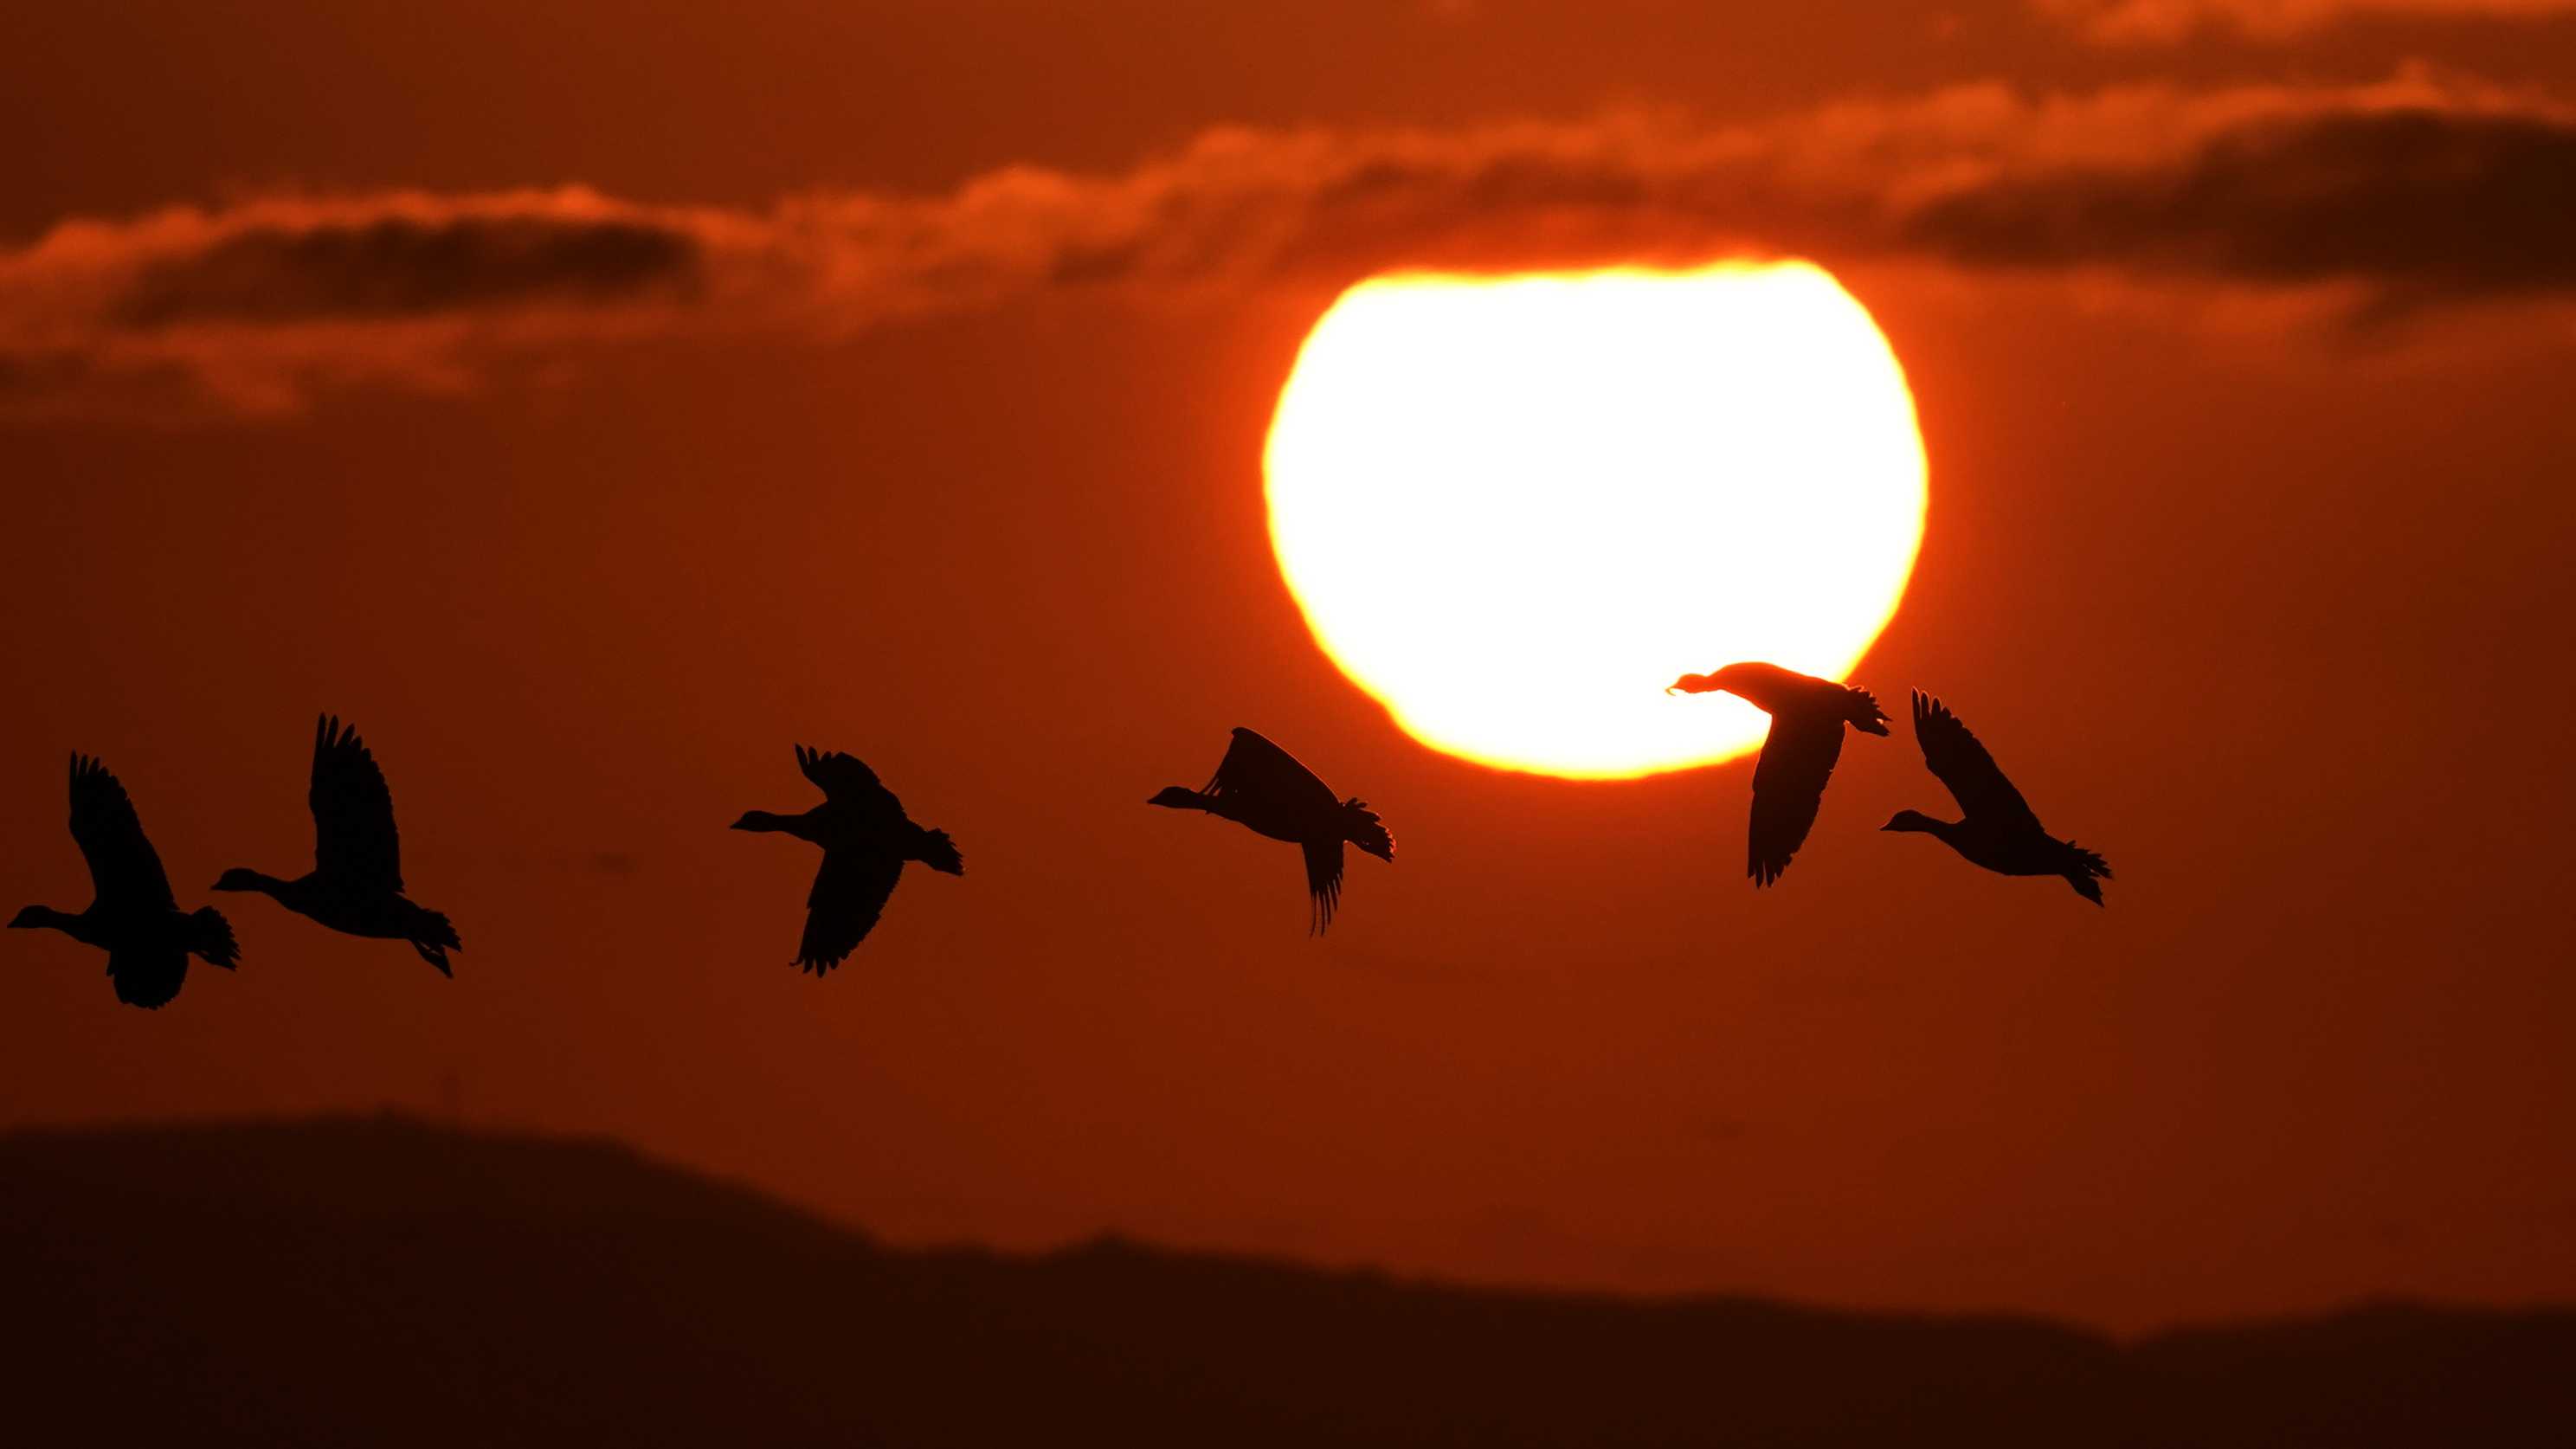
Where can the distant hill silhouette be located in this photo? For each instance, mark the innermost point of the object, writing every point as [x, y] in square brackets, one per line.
[351, 1282]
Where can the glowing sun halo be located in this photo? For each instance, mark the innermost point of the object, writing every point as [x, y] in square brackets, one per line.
[1514, 509]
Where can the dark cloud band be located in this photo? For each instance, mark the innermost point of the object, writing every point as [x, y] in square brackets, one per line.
[2127, 22]
[2434, 206]
[408, 267]
[2413, 194]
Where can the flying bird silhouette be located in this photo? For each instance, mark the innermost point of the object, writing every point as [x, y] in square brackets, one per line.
[1263, 787]
[1798, 755]
[1997, 829]
[866, 838]
[132, 916]
[355, 885]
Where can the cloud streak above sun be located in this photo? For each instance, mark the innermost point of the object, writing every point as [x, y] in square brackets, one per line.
[2418, 192]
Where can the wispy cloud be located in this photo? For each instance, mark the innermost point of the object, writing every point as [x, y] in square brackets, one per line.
[2417, 192]
[2120, 22]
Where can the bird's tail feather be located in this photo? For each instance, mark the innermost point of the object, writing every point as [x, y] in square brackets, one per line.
[1361, 827]
[2085, 871]
[433, 936]
[1865, 715]
[211, 937]
[940, 853]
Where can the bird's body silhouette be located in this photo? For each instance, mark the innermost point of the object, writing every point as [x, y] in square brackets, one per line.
[356, 885]
[1798, 755]
[1997, 828]
[866, 839]
[133, 917]
[1265, 789]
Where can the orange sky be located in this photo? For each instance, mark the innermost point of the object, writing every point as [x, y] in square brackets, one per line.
[2245, 554]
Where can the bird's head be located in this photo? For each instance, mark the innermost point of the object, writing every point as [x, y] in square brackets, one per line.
[756, 820]
[1913, 820]
[30, 918]
[1176, 797]
[237, 879]
[1726, 679]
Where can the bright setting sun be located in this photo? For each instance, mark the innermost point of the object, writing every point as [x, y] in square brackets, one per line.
[1514, 509]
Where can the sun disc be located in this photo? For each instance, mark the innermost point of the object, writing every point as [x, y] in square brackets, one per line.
[1513, 509]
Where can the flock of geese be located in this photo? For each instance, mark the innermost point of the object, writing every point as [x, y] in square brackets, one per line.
[1997, 828]
[356, 885]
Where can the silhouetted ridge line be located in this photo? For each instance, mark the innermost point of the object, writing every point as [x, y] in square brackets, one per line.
[1798, 755]
[1265, 789]
[866, 839]
[132, 915]
[355, 886]
[1997, 828]
[286, 1283]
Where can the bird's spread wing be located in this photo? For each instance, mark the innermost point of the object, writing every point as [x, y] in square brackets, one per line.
[1962, 765]
[123, 870]
[1324, 879]
[846, 781]
[850, 892]
[1788, 784]
[1259, 771]
[353, 813]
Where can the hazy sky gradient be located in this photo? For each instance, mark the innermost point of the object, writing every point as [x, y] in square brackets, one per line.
[2245, 555]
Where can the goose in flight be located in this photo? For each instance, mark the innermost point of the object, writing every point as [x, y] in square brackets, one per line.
[1798, 755]
[1261, 786]
[355, 885]
[1997, 829]
[866, 838]
[133, 917]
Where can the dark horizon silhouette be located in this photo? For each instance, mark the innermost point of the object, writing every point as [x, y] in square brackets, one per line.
[380, 1281]
[866, 838]
[355, 886]
[1798, 754]
[1997, 829]
[1270, 792]
[583, 398]
[132, 914]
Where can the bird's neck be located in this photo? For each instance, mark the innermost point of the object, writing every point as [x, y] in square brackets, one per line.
[1919, 823]
[47, 918]
[803, 827]
[1766, 700]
